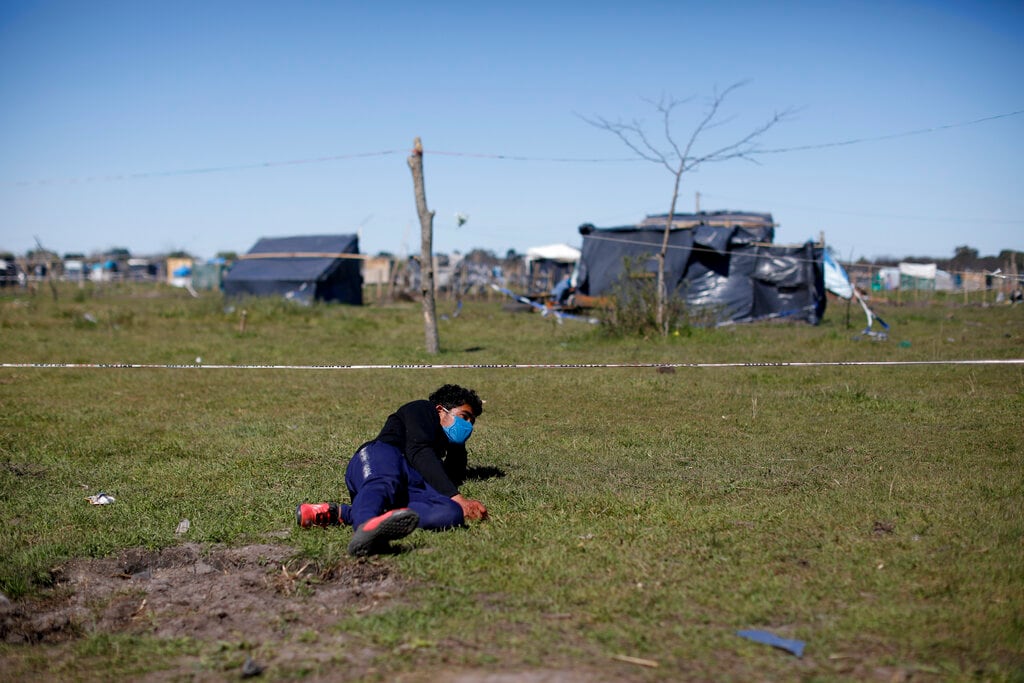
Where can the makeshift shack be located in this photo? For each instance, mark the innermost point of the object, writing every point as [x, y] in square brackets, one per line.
[179, 271]
[301, 268]
[209, 275]
[548, 265]
[723, 263]
[925, 277]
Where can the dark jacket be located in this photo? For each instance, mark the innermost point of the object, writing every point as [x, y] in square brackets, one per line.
[415, 430]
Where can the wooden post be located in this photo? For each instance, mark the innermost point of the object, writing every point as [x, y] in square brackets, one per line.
[460, 285]
[397, 269]
[426, 248]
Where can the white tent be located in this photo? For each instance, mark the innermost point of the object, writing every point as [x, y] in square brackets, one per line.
[562, 253]
[548, 266]
[889, 278]
[924, 276]
[921, 271]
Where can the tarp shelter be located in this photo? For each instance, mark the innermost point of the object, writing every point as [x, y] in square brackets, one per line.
[177, 270]
[885, 279]
[209, 275]
[562, 253]
[723, 263]
[924, 276]
[74, 269]
[917, 275]
[8, 272]
[548, 265]
[302, 268]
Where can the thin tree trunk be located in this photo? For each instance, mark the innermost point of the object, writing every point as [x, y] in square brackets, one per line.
[426, 248]
[661, 316]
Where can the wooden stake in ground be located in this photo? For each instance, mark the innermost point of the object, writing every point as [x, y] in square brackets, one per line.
[427, 248]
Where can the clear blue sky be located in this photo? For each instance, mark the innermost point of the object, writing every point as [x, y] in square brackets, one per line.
[159, 126]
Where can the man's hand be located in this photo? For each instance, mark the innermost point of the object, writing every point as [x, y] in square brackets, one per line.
[471, 509]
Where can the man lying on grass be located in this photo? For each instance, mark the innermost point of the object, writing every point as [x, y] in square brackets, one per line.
[405, 478]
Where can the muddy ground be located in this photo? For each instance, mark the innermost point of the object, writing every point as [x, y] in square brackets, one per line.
[277, 613]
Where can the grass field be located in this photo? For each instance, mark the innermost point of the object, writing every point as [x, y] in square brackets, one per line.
[639, 518]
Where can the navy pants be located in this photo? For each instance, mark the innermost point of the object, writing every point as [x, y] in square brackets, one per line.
[380, 479]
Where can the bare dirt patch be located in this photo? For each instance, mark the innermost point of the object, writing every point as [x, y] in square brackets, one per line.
[273, 615]
[281, 608]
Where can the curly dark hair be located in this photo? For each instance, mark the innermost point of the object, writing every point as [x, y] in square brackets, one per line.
[451, 395]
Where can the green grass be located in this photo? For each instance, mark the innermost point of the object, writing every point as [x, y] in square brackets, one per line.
[637, 513]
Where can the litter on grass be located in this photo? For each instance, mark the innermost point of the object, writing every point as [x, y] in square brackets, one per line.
[251, 668]
[795, 647]
[101, 498]
[183, 527]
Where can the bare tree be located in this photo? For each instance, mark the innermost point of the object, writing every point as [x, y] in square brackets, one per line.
[426, 248]
[679, 159]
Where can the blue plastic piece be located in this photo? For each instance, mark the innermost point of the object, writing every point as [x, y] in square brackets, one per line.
[795, 647]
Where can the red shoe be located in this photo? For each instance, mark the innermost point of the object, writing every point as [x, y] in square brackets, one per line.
[317, 514]
[373, 536]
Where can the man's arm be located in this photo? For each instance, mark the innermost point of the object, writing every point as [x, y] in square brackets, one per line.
[455, 465]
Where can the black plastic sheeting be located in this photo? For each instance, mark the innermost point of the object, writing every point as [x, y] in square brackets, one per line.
[300, 278]
[724, 264]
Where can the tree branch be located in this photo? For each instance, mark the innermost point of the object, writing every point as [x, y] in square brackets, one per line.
[742, 148]
[679, 161]
[626, 132]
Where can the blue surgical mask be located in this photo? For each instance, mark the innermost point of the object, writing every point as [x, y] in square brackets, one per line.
[459, 430]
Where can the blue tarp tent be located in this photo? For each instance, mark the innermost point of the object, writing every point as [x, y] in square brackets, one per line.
[302, 268]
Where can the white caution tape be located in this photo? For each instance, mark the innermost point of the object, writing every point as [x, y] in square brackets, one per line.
[508, 366]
